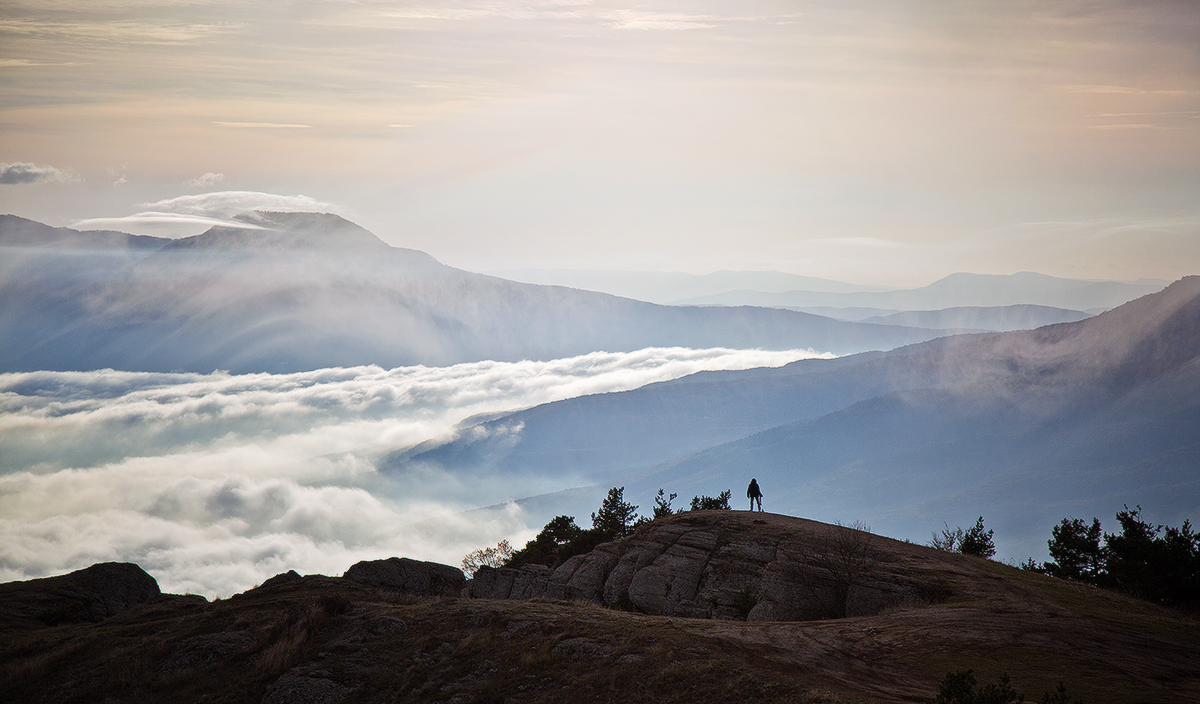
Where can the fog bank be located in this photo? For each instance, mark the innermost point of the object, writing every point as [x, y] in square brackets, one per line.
[214, 482]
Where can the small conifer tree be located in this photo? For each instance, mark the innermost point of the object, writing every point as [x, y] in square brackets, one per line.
[977, 541]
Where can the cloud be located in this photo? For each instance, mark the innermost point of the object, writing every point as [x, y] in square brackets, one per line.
[1119, 90]
[208, 180]
[670, 21]
[264, 125]
[1132, 126]
[580, 10]
[158, 222]
[226, 204]
[23, 173]
[123, 31]
[192, 214]
[214, 482]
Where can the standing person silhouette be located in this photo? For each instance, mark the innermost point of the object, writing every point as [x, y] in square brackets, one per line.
[755, 494]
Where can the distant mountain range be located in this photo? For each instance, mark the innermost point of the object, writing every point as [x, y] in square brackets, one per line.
[668, 287]
[955, 290]
[296, 291]
[842, 300]
[1072, 419]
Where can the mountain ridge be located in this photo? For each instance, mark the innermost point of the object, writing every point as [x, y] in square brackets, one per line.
[276, 231]
[955, 290]
[16, 231]
[291, 299]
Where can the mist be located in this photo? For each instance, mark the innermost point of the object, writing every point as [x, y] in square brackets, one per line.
[214, 482]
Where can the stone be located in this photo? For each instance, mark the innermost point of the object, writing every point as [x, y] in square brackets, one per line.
[297, 687]
[720, 565]
[207, 650]
[281, 579]
[524, 582]
[92, 594]
[409, 576]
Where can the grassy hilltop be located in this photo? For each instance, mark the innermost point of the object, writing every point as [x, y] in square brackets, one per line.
[329, 639]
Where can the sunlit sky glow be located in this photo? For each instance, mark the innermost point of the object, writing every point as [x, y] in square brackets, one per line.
[890, 143]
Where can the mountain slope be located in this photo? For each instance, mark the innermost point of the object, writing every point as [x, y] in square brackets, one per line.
[21, 232]
[299, 291]
[1069, 419]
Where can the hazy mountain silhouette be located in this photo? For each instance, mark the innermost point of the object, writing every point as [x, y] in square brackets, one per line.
[1024, 288]
[981, 319]
[1028, 427]
[21, 232]
[669, 287]
[294, 291]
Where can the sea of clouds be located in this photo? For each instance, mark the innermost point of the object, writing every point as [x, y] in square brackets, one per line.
[214, 482]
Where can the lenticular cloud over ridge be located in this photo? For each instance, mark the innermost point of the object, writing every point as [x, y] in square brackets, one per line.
[214, 482]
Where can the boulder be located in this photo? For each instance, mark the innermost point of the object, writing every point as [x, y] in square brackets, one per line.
[283, 579]
[725, 565]
[409, 576]
[91, 594]
[524, 582]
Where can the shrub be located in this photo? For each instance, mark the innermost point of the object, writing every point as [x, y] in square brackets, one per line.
[487, 557]
[974, 541]
[960, 688]
[546, 549]
[948, 540]
[710, 503]
[977, 541]
[662, 505]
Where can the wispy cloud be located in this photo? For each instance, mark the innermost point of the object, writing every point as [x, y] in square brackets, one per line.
[216, 481]
[263, 125]
[141, 32]
[207, 180]
[24, 173]
[150, 220]
[669, 21]
[191, 214]
[18, 63]
[1120, 90]
[1132, 126]
[225, 204]
[583, 11]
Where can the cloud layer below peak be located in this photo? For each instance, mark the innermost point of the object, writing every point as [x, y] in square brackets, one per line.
[214, 482]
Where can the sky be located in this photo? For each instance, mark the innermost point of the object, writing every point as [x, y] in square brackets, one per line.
[886, 143]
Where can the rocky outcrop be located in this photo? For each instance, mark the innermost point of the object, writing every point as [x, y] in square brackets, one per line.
[409, 576]
[729, 565]
[282, 579]
[92, 594]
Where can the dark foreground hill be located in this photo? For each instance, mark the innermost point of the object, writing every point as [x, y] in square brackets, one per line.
[379, 634]
[299, 291]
